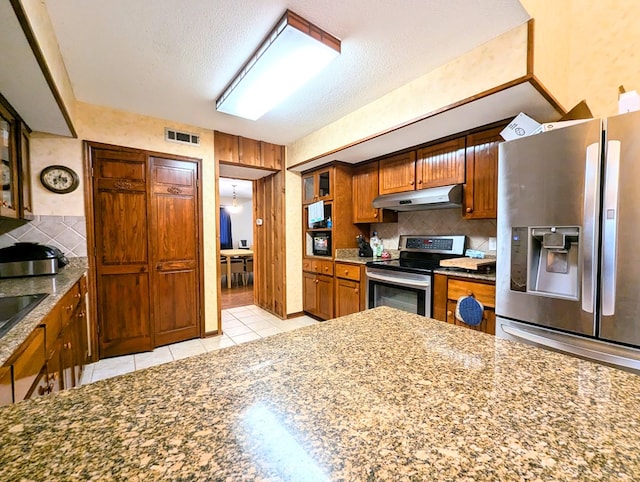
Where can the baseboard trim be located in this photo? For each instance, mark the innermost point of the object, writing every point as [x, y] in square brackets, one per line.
[295, 315]
[208, 334]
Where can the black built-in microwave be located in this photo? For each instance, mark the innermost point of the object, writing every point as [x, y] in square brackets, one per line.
[322, 244]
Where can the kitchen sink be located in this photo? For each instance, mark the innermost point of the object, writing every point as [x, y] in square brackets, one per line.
[14, 308]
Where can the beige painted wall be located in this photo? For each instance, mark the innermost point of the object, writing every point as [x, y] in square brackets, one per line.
[585, 49]
[493, 63]
[112, 126]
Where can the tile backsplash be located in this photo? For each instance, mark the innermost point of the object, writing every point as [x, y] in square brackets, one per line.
[68, 233]
[438, 222]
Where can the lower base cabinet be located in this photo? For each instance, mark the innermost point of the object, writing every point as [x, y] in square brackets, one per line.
[53, 356]
[350, 289]
[447, 291]
[318, 295]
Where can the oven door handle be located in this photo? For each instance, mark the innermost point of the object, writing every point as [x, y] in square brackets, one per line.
[399, 281]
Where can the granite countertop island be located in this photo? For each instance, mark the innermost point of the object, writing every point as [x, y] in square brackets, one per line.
[378, 395]
[55, 285]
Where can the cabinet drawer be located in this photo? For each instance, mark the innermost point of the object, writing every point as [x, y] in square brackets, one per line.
[28, 364]
[484, 293]
[325, 267]
[69, 302]
[348, 271]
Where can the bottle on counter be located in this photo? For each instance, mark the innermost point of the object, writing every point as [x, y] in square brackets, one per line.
[380, 248]
[375, 243]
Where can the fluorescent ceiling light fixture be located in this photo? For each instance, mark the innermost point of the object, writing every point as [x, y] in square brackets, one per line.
[293, 53]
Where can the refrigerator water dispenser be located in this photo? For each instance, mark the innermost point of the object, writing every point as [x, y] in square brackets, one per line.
[553, 264]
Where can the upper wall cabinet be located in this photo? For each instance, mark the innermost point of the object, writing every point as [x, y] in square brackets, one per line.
[14, 149]
[230, 149]
[365, 190]
[318, 186]
[398, 173]
[481, 188]
[442, 164]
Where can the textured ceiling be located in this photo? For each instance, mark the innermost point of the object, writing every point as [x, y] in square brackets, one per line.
[172, 58]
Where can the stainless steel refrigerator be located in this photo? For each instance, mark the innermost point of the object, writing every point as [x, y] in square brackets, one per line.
[568, 261]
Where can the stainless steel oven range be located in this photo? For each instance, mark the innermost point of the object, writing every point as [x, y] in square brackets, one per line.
[406, 283]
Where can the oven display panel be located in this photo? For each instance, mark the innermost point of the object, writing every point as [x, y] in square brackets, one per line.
[440, 244]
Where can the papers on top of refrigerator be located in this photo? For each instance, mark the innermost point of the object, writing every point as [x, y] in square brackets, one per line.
[521, 126]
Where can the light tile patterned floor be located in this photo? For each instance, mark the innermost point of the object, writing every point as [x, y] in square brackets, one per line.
[239, 325]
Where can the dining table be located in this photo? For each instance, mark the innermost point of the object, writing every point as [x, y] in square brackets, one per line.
[234, 253]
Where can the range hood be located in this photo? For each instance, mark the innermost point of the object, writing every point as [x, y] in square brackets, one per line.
[422, 199]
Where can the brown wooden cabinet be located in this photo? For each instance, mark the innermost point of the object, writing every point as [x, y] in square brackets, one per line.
[6, 386]
[397, 173]
[447, 291]
[230, 149]
[365, 190]
[440, 164]
[318, 185]
[350, 288]
[481, 187]
[55, 353]
[318, 289]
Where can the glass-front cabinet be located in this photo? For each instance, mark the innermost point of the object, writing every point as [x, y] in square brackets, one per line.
[15, 164]
[316, 186]
[9, 203]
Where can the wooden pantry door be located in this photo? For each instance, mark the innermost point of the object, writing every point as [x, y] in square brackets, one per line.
[121, 251]
[175, 250]
[147, 232]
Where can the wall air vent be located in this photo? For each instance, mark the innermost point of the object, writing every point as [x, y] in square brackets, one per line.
[173, 135]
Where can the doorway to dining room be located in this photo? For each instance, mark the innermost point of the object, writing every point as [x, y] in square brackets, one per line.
[236, 242]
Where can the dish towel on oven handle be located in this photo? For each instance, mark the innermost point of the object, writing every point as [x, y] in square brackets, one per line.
[469, 310]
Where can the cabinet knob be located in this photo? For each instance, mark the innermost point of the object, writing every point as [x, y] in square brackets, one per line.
[375, 215]
[449, 313]
[469, 293]
[81, 314]
[411, 183]
[357, 291]
[5, 204]
[316, 281]
[419, 181]
[77, 295]
[346, 272]
[469, 210]
[326, 268]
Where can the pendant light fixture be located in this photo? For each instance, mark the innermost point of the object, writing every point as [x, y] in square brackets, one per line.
[234, 208]
[290, 55]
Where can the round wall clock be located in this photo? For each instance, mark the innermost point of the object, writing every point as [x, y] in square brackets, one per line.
[59, 179]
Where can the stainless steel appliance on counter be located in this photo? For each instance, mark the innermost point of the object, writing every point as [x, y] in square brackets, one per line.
[30, 259]
[406, 283]
[568, 263]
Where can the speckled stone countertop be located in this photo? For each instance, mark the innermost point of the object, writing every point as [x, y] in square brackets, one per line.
[56, 285]
[378, 395]
[350, 255]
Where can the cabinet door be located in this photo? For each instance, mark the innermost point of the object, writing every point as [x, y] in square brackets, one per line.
[28, 364]
[324, 286]
[481, 188]
[272, 155]
[487, 325]
[8, 165]
[122, 251]
[67, 356]
[54, 366]
[365, 190]
[348, 296]
[309, 300]
[397, 173]
[175, 250]
[6, 389]
[441, 164]
[317, 186]
[226, 147]
[439, 297]
[25, 174]
[249, 152]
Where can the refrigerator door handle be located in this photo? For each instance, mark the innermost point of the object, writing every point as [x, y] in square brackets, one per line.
[610, 230]
[589, 225]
